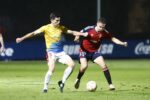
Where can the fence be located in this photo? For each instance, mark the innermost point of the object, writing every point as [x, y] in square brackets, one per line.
[35, 50]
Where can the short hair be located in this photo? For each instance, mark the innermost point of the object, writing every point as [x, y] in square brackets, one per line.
[54, 15]
[102, 20]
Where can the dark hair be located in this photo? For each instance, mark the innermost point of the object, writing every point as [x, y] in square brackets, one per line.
[102, 20]
[54, 15]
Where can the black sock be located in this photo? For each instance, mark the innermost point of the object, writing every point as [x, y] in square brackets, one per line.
[108, 76]
[80, 74]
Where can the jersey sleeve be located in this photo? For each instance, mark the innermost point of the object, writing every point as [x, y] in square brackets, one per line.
[107, 34]
[40, 30]
[64, 29]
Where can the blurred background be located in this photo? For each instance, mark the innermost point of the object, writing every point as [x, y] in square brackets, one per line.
[128, 20]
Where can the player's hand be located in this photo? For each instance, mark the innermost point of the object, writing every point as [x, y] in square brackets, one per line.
[125, 44]
[18, 40]
[76, 39]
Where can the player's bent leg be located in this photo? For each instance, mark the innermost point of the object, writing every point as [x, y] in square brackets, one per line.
[100, 61]
[70, 63]
[82, 70]
[65, 59]
[51, 66]
[46, 81]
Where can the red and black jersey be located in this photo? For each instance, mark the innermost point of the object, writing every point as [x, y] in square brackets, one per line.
[92, 42]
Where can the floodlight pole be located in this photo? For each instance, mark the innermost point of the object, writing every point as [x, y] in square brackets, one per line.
[98, 9]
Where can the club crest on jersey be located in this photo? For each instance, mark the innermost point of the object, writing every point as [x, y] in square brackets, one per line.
[92, 35]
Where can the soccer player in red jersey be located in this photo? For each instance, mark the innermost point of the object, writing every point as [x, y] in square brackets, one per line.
[92, 37]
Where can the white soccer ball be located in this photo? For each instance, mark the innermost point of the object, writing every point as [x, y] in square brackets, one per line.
[91, 86]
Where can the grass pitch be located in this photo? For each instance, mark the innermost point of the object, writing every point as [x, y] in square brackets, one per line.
[23, 80]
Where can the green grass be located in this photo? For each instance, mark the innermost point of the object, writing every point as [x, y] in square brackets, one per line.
[23, 80]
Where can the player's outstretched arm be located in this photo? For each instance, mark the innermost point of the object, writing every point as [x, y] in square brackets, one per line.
[20, 39]
[29, 35]
[117, 41]
[76, 33]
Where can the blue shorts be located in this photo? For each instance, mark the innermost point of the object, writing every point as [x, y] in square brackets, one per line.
[89, 55]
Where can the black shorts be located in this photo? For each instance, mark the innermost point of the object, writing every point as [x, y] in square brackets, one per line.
[89, 55]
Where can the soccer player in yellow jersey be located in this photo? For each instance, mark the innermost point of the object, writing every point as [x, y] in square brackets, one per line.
[53, 36]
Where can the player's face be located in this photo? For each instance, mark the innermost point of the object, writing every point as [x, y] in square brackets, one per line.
[56, 21]
[100, 26]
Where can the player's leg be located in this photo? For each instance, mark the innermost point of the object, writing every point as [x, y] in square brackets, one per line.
[65, 59]
[51, 67]
[83, 67]
[100, 61]
[70, 66]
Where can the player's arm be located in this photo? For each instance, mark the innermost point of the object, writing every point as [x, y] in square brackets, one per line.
[76, 33]
[77, 38]
[117, 41]
[29, 35]
[2, 49]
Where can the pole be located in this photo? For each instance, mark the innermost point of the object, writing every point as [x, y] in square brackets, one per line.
[98, 9]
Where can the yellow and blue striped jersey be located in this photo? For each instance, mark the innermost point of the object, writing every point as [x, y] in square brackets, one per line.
[53, 37]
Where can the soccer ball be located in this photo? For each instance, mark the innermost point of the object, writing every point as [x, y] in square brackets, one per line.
[91, 86]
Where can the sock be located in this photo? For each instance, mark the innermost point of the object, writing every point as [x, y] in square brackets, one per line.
[107, 75]
[67, 73]
[80, 74]
[47, 79]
